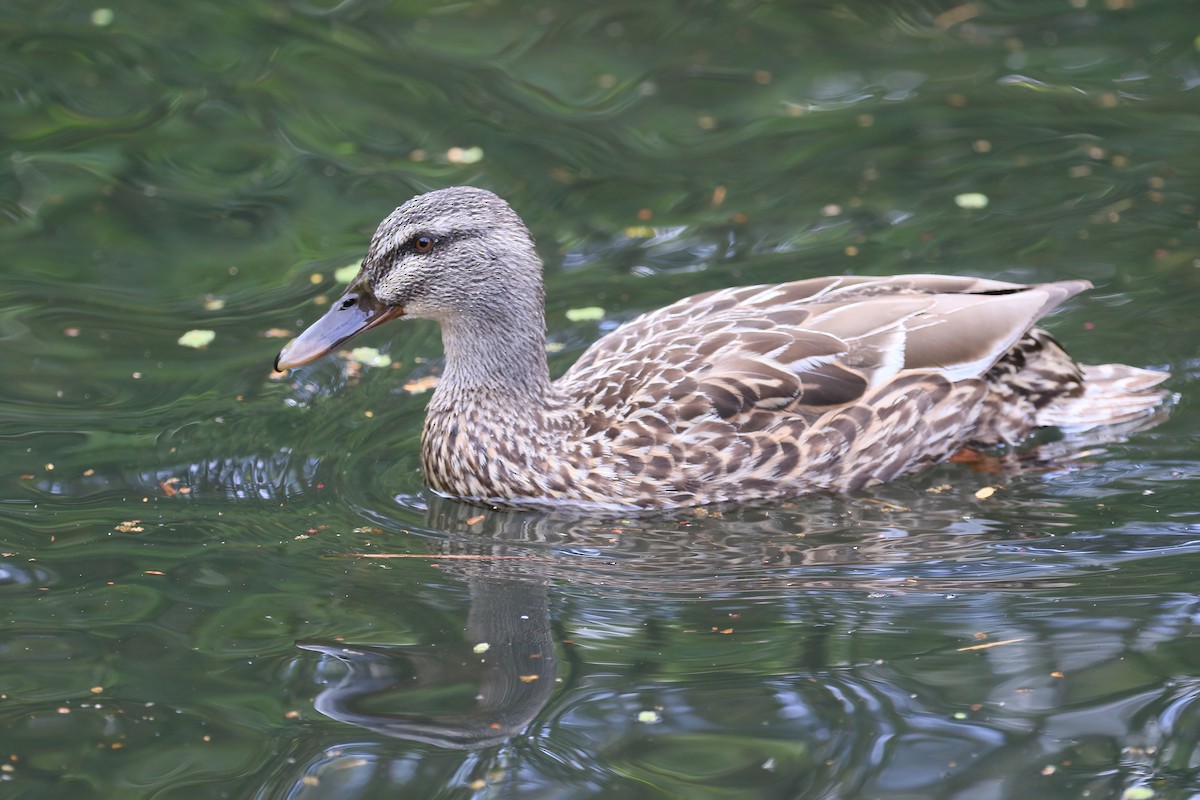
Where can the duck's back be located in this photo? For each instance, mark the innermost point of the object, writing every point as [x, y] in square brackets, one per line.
[830, 383]
[805, 346]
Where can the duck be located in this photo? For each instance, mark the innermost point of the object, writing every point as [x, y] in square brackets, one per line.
[750, 393]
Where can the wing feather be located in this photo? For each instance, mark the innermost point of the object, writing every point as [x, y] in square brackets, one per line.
[801, 348]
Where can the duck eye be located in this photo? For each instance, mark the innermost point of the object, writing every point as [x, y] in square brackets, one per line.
[423, 244]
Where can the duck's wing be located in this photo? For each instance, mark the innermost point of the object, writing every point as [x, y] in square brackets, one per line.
[801, 348]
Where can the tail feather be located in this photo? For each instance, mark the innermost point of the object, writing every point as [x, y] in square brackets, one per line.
[1113, 395]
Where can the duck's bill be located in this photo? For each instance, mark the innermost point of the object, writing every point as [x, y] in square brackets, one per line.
[348, 317]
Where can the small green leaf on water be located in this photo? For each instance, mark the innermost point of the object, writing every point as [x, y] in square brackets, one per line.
[370, 357]
[346, 274]
[971, 200]
[197, 338]
[102, 17]
[585, 314]
[1138, 793]
[648, 717]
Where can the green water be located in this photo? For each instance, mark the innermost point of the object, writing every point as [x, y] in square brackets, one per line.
[185, 609]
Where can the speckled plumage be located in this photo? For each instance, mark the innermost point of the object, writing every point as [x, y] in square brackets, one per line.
[745, 393]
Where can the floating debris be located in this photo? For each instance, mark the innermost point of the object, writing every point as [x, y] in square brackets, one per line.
[421, 385]
[370, 357]
[585, 314]
[464, 155]
[347, 273]
[170, 487]
[197, 339]
[971, 200]
[990, 644]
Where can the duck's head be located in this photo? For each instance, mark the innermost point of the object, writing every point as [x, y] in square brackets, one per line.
[457, 253]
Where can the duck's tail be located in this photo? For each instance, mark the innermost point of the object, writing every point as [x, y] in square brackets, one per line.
[1115, 396]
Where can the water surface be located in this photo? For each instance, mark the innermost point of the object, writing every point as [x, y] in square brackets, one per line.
[194, 605]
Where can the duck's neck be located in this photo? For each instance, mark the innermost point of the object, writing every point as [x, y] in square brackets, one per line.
[498, 361]
[495, 422]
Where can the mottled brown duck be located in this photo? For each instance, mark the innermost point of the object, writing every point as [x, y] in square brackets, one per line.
[828, 384]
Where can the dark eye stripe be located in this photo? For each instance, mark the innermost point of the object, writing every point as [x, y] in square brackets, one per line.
[413, 244]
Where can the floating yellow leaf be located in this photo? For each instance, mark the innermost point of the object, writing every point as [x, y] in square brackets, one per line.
[346, 274]
[370, 357]
[971, 200]
[585, 314]
[197, 338]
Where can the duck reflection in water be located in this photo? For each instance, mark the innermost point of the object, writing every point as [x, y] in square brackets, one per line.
[509, 654]
[508, 559]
